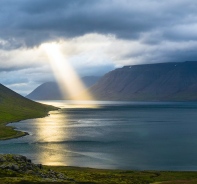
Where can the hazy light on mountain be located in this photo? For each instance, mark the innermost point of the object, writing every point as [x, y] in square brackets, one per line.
[68, 79]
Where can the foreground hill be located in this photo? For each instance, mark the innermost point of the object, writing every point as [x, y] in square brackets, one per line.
[150, 82]
[14, 107]
[51, 90]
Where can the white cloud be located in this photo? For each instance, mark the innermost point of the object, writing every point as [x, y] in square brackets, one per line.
[20, 58]
[90, 54]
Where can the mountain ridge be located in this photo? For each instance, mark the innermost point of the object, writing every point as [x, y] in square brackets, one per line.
[175, 81]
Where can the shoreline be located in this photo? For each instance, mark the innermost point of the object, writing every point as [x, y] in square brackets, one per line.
[17, 133]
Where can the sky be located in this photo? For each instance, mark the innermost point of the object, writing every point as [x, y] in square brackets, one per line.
[95, 36]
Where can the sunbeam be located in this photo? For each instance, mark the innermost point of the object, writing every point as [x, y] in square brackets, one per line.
[69, 81]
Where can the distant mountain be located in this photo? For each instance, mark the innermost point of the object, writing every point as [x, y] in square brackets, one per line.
[14, 107]
[46, 91]
[51, 90]
[149, 82]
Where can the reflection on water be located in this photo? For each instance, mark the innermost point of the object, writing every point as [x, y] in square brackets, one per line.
[73, 103]
[49, 130]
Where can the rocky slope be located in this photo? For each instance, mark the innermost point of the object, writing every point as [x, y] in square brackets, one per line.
[19, 166]
[150, 82]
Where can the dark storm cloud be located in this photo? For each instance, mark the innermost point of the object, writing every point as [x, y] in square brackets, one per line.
[36, 21]
[179, 55]
[150, 22]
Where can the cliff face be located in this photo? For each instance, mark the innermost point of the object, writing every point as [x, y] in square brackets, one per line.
[151, 82]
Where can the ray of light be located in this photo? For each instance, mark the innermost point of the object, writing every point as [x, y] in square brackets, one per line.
[69, 81]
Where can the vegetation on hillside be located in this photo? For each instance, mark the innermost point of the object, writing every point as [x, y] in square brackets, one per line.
[14, 107]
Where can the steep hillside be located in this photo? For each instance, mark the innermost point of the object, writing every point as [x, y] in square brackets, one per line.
[14, 107]
[51, 90]
[150, 82]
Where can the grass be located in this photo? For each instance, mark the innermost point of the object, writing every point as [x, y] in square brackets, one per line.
[13, 108]
[99, 176]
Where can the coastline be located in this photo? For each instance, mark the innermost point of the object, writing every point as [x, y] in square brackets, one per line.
[14, 133]
[17, 135]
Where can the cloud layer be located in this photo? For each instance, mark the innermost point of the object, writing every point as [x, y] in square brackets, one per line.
[95, 36]
[33, 22]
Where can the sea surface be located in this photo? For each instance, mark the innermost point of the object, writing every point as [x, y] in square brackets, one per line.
[111, 135]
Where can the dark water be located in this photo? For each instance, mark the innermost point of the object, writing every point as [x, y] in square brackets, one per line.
[140, 136]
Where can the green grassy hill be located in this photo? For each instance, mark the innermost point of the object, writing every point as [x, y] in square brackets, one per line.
[14, 107]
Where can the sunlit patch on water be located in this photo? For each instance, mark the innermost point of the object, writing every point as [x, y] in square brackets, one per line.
[73, 104]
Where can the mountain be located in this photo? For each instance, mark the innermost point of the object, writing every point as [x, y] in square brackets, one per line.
[46, 91]
[51, 90]
[14, 107]
[150, 82]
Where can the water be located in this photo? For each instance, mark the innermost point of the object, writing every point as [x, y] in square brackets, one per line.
[112, 135]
